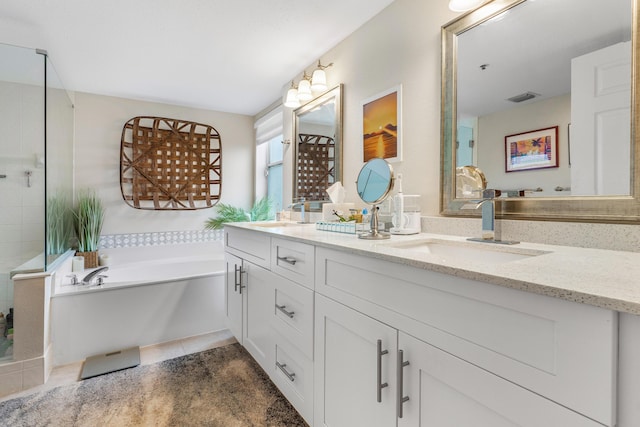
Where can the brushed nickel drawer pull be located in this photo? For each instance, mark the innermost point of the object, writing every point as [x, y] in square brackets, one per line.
[379, 384]
[289, 375]
[400, 378]
[282, 309]
[288, 259]
[238, 283]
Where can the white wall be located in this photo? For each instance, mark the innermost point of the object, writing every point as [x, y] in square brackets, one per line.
[401, 45]
[99, 122]
[492, 129]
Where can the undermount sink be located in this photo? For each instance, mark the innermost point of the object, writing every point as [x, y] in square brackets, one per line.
[478, 252]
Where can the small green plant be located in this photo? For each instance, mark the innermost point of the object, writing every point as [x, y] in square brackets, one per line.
[59, 224]
[261, 211]
[89, 216]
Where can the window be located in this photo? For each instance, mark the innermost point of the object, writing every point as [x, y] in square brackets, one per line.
[274, 172]
[269, 155]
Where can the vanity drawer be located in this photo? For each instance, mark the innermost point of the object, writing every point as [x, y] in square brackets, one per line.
[562, 350]
[293, 375]
[293, 260]
[293, 315]
[253, 246]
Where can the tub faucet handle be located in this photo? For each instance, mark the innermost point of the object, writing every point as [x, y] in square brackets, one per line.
[100, 279]
[73, 279]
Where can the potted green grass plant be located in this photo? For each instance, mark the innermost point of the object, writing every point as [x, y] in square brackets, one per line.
[59, 224]
[88, 218]
[261, 211]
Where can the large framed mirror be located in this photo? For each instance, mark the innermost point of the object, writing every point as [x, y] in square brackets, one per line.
[541, 96]
[317, 147]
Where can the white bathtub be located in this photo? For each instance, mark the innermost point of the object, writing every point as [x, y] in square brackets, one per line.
[151, 295]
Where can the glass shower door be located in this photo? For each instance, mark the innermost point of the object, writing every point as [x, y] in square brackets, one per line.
[22, 173]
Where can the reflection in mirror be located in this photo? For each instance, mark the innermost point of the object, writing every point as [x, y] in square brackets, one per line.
[501, 80]
[318, 147]
[374, 183]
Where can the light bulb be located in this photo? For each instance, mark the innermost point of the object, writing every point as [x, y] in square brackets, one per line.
[319, 81]
[291, 101]
[304, 90]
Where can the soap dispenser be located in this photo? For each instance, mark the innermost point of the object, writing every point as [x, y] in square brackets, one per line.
[406, 211]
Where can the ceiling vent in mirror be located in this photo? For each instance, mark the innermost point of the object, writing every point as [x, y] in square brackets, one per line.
[523, 97]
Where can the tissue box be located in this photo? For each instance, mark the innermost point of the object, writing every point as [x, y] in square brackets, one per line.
[342, 208]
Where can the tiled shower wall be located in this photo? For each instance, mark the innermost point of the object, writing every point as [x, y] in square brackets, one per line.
[21, 207]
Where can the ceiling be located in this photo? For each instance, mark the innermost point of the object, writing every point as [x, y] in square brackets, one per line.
[225, 55]
[530, 50]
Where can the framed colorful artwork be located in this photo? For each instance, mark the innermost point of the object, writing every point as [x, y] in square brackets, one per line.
[536, 149]
[381, 126]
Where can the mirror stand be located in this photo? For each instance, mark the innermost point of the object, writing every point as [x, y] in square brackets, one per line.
[374, 233]
[375, 182]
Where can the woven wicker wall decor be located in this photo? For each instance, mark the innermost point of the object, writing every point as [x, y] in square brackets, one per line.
[170, 164]
[316, 166]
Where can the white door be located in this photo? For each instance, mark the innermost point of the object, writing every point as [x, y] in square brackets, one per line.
[445, 391]
[259, 304]
[233, 295]
[600, 132]
[349, 388]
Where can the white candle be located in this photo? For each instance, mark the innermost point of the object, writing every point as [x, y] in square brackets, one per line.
[77, 264]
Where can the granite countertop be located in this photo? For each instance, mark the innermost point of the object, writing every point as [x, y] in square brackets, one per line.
[602, 278]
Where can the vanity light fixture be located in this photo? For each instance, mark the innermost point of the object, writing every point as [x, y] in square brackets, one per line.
[292, 101]
[319, 78]
[464, 5]
[304, 89]
[307, 87]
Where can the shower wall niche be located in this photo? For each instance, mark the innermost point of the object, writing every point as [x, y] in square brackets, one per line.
[36, 167]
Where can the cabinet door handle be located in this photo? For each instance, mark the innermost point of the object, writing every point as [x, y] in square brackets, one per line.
[379, 384]
[288, 259]
[238, 279]
[282, 308]
[400, 379]
[236, 283]
[290, 375]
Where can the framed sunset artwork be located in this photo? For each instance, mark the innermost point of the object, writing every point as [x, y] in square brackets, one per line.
[381, 126]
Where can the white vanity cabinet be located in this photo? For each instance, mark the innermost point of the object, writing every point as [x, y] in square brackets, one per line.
[233, 295]
[269, 308]
[442, 390]
[249, 292]
[358, 338]
[292, 322]
[355, 358]
[537, 354]
[249, 288]
[368, 373]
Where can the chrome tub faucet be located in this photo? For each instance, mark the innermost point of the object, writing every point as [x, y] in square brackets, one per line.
[89, 277]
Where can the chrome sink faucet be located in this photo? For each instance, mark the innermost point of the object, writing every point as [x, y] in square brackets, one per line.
[299, 203]
[490, 233]
[89, 277]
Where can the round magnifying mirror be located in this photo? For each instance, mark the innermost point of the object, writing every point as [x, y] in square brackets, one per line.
[375, 182]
